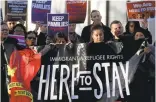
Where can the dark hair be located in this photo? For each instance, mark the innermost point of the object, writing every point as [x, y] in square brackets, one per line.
[93, 12]
[142, 31]
[20, 25]
[115, 22]
[136, 26]
[30, 32]
[95, 27]
[60, 35]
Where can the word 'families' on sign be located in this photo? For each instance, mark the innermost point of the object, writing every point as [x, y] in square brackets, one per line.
[57, 23]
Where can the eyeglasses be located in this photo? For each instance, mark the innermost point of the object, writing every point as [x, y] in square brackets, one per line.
[31, 38]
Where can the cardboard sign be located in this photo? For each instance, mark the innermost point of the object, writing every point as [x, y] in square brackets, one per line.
[76, 10]
[40, 8]
[17, 10]
[57, 23]
[139, 10]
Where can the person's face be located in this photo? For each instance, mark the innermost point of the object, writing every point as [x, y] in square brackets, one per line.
[4, 31]
[72, 27]
[31, 39]
[48, 40]
[60, 41]
[131, 27]
[117, 29]
[43, 28]
[18, 31]
[97, 36]
[96, 17]
[139, 35]
[11, 24]
[139, 16]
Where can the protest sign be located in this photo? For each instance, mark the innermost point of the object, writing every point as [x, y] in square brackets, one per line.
[57, 23]
[40, 8]
[77, 10]
[141, 9]
[20, 38]
[71, 72]
[17, 10]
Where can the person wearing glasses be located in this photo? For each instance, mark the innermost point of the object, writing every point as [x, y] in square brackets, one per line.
[30, 38]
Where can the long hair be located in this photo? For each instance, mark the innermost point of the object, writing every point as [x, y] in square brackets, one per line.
[136, 26]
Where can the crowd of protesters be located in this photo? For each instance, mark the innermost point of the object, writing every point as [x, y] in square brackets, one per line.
[143, 85]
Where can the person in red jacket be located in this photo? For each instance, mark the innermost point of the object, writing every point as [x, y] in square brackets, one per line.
[23, 67]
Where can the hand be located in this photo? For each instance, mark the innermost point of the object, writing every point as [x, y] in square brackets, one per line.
[108, 42]
[147, 50]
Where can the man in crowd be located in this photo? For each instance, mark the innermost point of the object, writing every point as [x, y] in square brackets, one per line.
[96, 18]
[7, 47]
[73, 36]
[41, 39]
[116, 29]
[11, 24]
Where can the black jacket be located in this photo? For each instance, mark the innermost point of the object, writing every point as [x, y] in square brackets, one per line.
[7, 50]
[41, 39]
[86, 32]
[75, 38]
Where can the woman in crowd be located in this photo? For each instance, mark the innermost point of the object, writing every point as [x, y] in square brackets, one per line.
[19, 29]
[24, 65]
[97, 34]
[30, 38]
[131, 28]
[60, 38]
[142, 84]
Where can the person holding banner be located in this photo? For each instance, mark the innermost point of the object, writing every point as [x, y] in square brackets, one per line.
[140, 87]
[23, 67]
[97, 34]
[132, 26]
[96, 18]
